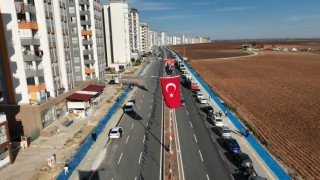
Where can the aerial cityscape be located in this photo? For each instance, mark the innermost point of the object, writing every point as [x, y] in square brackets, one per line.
[146, 89]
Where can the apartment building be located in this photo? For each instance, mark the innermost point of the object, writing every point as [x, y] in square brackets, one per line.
[134, 31]
[144, 37]
[117, 42]
[54, 48]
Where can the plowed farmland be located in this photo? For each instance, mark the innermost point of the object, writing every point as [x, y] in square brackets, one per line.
[278, 93]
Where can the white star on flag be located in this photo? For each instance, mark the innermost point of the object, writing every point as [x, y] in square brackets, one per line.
[171, 95]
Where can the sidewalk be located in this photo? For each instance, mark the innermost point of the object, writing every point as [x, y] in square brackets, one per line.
[31, 163]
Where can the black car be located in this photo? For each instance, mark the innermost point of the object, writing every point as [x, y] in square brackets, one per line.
[243, 161]
[256, 178]
[232, 145]
[112, 81]
[210, 111]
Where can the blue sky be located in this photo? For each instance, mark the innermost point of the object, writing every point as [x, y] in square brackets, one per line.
[232, 19]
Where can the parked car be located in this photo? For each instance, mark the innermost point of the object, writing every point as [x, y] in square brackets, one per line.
[209, 111]
[256, 178]
[243, 160]
[217, 120]
[199, 95]
[225, 132]
[116, 132]
[197, 91]
[232, 145]
[112, 81]
[203, 100]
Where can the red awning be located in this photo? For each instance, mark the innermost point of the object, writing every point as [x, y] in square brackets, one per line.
[94, 88]
[79, 97]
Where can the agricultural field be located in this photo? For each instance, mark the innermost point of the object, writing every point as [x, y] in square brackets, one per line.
[278, 93]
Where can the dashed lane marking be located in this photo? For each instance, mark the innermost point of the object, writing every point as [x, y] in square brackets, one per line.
[120, 158]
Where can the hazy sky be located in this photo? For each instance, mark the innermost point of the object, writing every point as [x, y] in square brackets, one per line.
[232, 19]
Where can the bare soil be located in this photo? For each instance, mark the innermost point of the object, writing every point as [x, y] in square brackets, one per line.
[278, 93]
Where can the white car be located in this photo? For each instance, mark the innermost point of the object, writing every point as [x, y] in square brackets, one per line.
[116, 132]
[199, 95]
[225, 132]
[203, 100]
[217, 121]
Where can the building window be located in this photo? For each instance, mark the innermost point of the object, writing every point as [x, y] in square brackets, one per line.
[78, 78]
[77, 68]
[3, 137]
[41, 79]
[31, 81]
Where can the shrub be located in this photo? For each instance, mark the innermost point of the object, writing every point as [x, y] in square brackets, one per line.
[35, 134]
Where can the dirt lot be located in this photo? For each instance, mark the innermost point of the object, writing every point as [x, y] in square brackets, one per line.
[278, 93]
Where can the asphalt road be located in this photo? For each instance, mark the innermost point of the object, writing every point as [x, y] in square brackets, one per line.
[138, 153]
[204, 155]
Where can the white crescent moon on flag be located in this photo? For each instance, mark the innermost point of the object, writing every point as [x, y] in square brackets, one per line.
[171, 84]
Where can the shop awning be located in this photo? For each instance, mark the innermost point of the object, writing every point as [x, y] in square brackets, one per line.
[80, 97]
[94, 88]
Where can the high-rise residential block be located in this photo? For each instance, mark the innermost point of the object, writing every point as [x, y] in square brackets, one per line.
[53, 47]
[116, 26]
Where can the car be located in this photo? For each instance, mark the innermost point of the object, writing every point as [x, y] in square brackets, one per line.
[243, 161]
[225, 132]
[112, 81]
[116, 132]
[199, 95]
[197, 91]
[183, 102]
[203, 100]
[256, 178]
[128, 107]
[217, 120]
[232, 145]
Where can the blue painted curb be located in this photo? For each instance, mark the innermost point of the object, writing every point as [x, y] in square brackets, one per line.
[83, 150]
[272, 164]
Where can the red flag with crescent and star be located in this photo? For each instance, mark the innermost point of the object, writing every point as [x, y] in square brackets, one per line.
[171, 91]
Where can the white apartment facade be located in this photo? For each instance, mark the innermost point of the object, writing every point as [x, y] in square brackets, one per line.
[144, 37]
[134, 31]
[52, 47]
[116, 26]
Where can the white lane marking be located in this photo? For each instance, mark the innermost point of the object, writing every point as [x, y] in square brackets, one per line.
[231, 176]
[151, 100]
[149, 115]
[213, 138]
[187, 113]
[150, 107]
[200, 155]
[221, 155]
[144, 138]
[127, 139]
[141, 101]
[191, 124]
[139, 108]
[208, 177]
[120, 158]
[195, 138]
[206, 125]
[143, 96]
[140, 158]
[135, 178]
[132, 125]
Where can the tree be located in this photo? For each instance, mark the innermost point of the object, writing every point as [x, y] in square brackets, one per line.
[253, 43]
[133, 60]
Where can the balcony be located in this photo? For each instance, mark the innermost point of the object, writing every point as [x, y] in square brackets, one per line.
[84, 2]
[85, 22]
[34, 72]
[32, 55]
[84, 12]
[89, 61]
[62, 4]
[89, 70]
[50, 29]
[36, 88]
[86, 32]
[86, 42]
[28, 25]
[87, 51]
[30, 41]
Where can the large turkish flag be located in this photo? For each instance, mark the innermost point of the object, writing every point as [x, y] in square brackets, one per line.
[171, 91]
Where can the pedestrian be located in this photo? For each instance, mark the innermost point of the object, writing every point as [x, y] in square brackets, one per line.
[226, 112]
[94, 136]
[247, 132]
[242, 132]
[66, 169]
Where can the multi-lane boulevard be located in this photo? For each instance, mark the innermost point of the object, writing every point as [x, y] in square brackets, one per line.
[138, 154]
